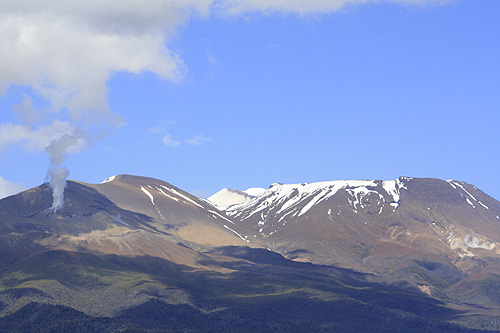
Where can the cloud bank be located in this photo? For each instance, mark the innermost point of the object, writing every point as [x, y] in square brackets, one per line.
[66, 51]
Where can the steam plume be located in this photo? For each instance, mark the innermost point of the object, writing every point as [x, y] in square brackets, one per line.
[58, 183]
[57, 174]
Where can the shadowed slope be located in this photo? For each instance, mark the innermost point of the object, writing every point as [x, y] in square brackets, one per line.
[154, 293]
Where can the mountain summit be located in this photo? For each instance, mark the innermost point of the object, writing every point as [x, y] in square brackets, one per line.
[228, 197]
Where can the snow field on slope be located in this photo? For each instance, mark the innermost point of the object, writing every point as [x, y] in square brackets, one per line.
[290, 196]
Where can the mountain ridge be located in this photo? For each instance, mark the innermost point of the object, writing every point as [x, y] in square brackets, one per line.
[139, 239]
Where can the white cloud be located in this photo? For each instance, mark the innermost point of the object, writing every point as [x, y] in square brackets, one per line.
[169, 141]
[27, 113]
[68, 62]
[67, 50]
[237, 7]
[41, 138]
[198, 140]
[9, 188]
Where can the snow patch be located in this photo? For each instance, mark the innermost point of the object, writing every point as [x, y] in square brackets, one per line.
[255, 191]
[109, 179]
[243, 238]
[463, 188]
[470, 203]
[223, 217]
[321, 195]
[482, 204]
[165, 194]
[285, 215]
[393, 188]
[148, 194]
[358, 194]
[182, 196]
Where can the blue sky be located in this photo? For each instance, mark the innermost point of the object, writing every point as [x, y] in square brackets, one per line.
[247, 95]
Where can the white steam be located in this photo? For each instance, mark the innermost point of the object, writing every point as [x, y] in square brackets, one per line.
[57, 139]
[73, 142]
[58, 183]
[57, 174]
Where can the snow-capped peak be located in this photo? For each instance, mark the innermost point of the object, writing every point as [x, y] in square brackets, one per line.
[302, 197]
[228, 196]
